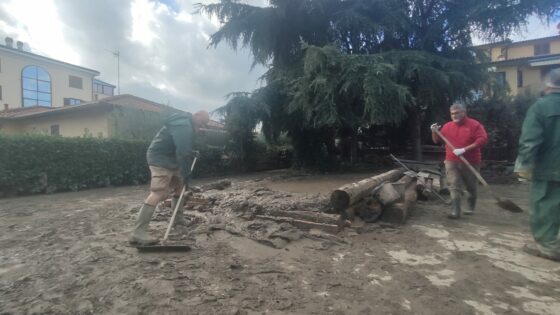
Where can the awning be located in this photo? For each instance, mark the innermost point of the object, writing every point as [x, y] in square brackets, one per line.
[547, 62]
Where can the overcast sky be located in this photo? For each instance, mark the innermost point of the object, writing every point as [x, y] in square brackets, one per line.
[163, 45]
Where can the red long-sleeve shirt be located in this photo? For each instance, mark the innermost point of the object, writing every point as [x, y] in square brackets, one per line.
[461, 135]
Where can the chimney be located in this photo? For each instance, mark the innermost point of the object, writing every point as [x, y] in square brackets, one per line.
[19, 45]
[6, 107]
[9, 42]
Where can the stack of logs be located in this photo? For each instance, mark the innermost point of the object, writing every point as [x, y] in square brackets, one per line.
[389, 196]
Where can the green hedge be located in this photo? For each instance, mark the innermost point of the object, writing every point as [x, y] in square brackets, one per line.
[34, 164]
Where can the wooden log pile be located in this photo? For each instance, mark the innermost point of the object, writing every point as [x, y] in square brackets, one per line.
[389, 196]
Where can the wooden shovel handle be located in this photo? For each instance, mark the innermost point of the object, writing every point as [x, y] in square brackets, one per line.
[475, 172]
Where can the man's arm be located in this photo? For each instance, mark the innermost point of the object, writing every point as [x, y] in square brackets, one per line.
[529, 142]
[183, 140]
[435, 137]
[480, 138]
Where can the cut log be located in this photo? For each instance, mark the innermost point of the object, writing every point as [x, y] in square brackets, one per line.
[348, 195]
[306, 225]
[387, 194]
[399, 212]
[368, 209]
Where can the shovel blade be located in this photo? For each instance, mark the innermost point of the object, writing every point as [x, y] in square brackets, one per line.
[509, 205]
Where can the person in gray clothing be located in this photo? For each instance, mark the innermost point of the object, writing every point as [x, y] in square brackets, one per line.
[169, 157]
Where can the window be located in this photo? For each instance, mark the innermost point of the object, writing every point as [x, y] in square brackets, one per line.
[519, 78]
[108, 90]
[75, 82]
[503, 53]
[36, 86]
[98, 88]
[55, 130]
[72, 101]
[541, 49]
[501, 78]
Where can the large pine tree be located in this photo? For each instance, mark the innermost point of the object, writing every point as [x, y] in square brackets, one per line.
[336, 66]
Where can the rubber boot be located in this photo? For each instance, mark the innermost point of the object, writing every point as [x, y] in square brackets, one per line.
[471, 201]
[455, 209]
[141, 235]
[180, 217]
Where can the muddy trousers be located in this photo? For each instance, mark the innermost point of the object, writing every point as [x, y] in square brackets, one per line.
[459, 175]
[544, 216]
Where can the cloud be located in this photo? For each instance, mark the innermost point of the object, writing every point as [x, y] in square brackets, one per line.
[537, 28]
[163, 46]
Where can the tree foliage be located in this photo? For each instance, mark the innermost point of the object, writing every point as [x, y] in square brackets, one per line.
[336, 66]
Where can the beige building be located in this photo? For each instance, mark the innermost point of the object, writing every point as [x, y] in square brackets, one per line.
[124, 116]
[45, 96]
[28, 79]
[523, 65]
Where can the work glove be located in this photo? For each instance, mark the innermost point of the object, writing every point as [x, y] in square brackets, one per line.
[459, 152]
[525, 174]
[435, 126]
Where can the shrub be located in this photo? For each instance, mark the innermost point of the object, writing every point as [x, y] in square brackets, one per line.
[35, 163]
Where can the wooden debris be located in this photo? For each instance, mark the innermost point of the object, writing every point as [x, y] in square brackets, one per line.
[399, 212]
[305, 216]
[302, 224]
[368, 209]
[219, 185]
[348, 195]
[387, 194]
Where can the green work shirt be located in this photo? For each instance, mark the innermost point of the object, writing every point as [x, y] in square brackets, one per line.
[171, 148]
[539, 144]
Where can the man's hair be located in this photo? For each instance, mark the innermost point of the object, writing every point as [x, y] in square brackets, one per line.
[459, 106]
[552, 79]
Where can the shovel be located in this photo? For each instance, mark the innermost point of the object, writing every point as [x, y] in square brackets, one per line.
[505, 204]
[163, 247]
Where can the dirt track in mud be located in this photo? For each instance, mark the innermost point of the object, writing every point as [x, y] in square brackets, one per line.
[67, 254]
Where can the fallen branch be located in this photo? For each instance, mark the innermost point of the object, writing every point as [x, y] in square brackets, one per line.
[307, 225]
[305, 216]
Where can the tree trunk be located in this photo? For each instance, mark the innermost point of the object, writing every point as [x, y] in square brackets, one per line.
[353, 147]
[349, 194]
[415, 133]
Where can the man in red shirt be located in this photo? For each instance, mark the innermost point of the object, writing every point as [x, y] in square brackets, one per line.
[467, 136]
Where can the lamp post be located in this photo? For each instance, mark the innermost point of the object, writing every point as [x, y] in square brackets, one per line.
[117, 54]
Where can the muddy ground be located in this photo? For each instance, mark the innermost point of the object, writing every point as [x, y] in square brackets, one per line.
[66, 253]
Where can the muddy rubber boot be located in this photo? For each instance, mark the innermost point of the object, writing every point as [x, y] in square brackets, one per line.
[471, 201]
[180, 217]
[455, 209]
[141, 235]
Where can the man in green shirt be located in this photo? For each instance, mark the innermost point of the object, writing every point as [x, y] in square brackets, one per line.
[539, 160]
[169, 157]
